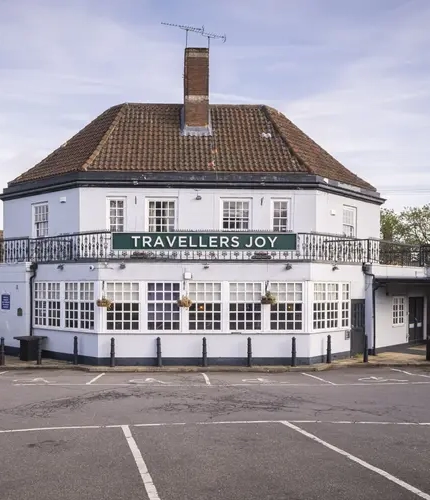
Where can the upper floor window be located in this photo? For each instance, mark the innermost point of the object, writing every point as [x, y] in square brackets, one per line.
[349, 221]
[235, 215]
[280, 216]
[116, 214]
[161, 216]
[41, 225]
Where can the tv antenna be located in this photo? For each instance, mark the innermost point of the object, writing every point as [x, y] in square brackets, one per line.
[200, 31]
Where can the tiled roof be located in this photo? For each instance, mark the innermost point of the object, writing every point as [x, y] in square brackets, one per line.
[147, 138]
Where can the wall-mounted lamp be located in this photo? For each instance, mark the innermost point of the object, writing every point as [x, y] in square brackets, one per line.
[288, 266]
[60, 267]
[198, 197]
[122, 265]
[335, 268]
[206, 266]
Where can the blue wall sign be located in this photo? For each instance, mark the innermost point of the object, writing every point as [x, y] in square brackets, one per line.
[5, 301]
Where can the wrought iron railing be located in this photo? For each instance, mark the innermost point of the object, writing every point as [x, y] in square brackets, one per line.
[311, 247]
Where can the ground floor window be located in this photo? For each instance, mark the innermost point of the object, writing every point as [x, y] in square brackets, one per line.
[163, 310]
[205, 312]
[398, 311]
[287, 313]
[79, 305]
[47, 304]
[245, 306]
[331, 306]
[124, 313]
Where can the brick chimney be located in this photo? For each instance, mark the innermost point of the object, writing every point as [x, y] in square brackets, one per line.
[196, 116]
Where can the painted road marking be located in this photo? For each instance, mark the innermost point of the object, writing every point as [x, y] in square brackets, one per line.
[357, 460]
[2, 373]
[148, 380]
[208, 382]
[381, 379]
[150, 488]
[261, 380]
[318, 378]
[405, 372]
[94, 379]
[33, 381]
[225, 422]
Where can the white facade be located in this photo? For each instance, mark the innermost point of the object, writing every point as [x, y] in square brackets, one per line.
[87, 209]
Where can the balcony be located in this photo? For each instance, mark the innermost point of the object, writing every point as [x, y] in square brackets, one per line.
[300, 247]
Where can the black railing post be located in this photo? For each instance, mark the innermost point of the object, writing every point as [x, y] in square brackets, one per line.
[328, 348]
[75, 350]
[39, 351]
[366, 350]
[205, 353]
[428, 348]
[112, 352]
[293, 352]
[159, 358]
[249, 361]
[2, 356]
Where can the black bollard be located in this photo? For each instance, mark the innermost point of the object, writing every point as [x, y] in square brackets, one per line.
[328, 348]
[205, 353]
[428, 348]
[249, 363]
[39, 351]
[2, 356]
[159, 359]
[293, 352]
[112, 352]
[75, 350]
[366, 350]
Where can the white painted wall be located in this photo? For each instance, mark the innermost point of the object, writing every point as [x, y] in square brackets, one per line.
[86, 209]
[329, 215]
[14, 280]
[63, 217]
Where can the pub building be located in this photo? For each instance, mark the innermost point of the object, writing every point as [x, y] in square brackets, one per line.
[186, 221]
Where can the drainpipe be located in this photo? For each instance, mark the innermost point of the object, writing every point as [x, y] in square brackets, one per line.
[33, 267]
[374, 288]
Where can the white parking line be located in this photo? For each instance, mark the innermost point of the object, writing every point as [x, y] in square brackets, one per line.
[407, 373]
[357, 460]
[2, 373]
[150, 488]
[318, 378]
[94, 379]
[208, 382]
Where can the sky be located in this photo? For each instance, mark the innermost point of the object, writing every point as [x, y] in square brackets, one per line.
[355, 76]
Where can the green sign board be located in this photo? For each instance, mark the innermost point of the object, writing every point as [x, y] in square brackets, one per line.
[204, 241]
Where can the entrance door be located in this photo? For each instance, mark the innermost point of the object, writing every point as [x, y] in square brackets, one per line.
[357, 327]
[416, 319]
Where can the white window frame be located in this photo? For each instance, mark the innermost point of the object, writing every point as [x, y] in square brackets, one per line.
[329, 302]
[272, 214]
[36, 230]
[120, 294]
[47, 299]
[175, 311]
[398, 311]
[253, 295]
[161, 200]
[347, 229]
[204, 293]
[236, 200]
[108, 216]
[81, 295]
[293, 294]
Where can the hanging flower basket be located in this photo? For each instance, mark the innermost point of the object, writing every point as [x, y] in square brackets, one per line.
[185, 301]
[104, 302]
[268, 298]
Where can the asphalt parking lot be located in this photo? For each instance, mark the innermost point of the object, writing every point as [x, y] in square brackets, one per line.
[354, 433]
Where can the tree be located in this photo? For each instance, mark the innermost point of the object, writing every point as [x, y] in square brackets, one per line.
[411, 225]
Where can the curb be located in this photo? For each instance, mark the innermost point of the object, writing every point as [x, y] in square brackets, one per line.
[215, 369]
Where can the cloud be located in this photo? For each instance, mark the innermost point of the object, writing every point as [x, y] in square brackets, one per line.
[354, 75]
